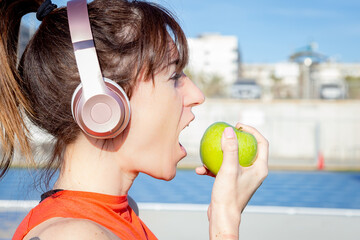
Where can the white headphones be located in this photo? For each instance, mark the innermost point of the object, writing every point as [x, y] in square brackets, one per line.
[99, 105]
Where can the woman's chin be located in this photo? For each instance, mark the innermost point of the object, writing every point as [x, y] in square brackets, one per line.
[167, 164]
[169, 174]
[170, 177]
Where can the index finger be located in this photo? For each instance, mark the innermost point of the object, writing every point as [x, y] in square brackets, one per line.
[253, 131]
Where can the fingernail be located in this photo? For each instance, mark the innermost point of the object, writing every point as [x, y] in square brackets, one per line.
[229, 132]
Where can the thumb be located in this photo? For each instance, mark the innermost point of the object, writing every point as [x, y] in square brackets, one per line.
[229, 145]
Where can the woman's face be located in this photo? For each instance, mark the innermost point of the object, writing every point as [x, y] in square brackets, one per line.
[160, 111]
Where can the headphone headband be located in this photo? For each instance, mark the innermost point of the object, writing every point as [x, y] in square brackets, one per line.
[84, 48]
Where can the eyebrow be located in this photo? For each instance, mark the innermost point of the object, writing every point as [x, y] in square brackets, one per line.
[176, 62]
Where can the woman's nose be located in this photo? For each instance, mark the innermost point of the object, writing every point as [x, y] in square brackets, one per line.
[193, 96]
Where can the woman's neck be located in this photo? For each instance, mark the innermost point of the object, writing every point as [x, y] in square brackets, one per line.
[89, 168]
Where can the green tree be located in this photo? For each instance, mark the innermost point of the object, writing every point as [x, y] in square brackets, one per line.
[353, 86]
[277, 87]
[212, 85]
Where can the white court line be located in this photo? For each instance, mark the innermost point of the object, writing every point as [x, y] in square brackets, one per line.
[173, 206]
[20, 206]
[255, 209]
[303, 211]
[17, 205]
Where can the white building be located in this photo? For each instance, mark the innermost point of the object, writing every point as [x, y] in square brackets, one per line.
[214, 54]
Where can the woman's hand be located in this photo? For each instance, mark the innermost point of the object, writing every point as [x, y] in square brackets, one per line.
[234, 185]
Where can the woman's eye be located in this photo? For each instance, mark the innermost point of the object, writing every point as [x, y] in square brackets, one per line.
[176, 77]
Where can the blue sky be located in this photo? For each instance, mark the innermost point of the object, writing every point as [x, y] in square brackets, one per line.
[269, 31]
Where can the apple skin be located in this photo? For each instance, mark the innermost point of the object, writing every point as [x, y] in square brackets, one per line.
[210, 147]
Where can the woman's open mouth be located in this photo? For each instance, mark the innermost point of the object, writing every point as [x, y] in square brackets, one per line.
[181, 146]
[183, 149]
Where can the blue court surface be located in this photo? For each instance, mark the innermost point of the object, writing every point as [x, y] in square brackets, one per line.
[281, 188]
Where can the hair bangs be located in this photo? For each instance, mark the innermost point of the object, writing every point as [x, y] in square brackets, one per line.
[163, 40]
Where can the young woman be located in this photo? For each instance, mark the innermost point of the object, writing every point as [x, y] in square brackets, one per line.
[143, 49]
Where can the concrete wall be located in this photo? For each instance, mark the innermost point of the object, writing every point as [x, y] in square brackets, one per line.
[297, 130]
[271, 223]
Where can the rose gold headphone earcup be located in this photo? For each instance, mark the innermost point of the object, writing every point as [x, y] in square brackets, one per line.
[102, 116]
[124, 102]
[75, 104]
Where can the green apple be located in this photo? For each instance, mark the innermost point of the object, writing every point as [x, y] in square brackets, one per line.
[210, 147]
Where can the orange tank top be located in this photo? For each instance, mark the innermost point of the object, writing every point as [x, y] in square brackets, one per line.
[112, 212]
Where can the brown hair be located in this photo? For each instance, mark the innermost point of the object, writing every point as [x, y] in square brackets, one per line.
[131, 37]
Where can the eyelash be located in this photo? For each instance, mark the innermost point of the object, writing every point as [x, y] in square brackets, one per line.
[176, 76]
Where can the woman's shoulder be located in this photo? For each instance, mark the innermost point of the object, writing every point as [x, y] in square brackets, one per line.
[70, 228]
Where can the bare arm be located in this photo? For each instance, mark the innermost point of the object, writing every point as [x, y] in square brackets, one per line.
[234, 185]
[68, 229]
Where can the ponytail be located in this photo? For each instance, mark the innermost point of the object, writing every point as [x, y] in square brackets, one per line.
[12, 100]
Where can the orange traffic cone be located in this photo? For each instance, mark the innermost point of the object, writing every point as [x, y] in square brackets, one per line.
[320, 163]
